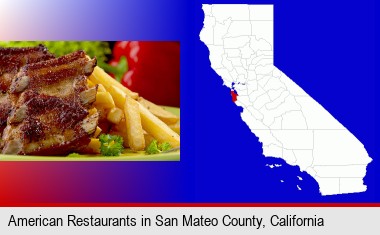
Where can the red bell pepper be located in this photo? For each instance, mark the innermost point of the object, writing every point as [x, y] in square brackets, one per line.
[150, 68]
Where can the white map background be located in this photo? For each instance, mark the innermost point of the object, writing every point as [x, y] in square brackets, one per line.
[289, 123]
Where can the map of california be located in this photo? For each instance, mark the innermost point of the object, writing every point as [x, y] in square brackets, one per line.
[288, 122]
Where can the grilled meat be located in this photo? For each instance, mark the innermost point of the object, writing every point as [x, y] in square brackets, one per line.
[11, 60]
[50, 107]
[5, 108]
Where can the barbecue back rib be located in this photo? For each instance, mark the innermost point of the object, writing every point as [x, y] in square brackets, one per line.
[11, 60]
[50, 107]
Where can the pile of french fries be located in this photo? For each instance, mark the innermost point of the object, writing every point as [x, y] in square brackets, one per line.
[136, 119]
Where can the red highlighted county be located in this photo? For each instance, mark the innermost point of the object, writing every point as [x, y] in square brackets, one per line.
[234, 96]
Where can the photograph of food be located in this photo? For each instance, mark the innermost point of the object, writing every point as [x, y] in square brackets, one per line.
[89, 100]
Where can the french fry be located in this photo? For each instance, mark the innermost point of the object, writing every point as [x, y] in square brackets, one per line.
[90, 84]
[115, 115]
[118, 96]
[98, 76]
[97, 131]
[148, 138]
[136, 121]
[175, 127]
[157, 128]
[101, 88]
[104, 99]
[92, 111]
[133, 123]
[150, 123]
[158, 111]
[93, 146]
